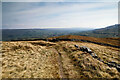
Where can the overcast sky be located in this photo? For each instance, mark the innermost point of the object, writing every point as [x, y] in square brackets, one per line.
[20, 15]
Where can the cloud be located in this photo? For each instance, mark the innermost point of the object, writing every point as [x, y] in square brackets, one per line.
[59, 14]
[60, 0]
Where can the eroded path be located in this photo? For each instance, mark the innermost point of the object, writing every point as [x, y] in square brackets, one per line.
[60, 64]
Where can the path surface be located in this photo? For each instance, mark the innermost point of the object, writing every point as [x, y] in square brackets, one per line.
[61, 70]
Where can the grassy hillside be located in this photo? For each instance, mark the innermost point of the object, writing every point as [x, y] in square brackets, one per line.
[111, 41]
[110, 31]
[44, 59]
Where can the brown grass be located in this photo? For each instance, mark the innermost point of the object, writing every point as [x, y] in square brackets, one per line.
[112, 41]
[39, 59]
[24, 60]
[84, 65]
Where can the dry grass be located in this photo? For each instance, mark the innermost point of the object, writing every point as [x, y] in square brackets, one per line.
[38, 59]
[111, 41]
[24, 60]
[83, 65]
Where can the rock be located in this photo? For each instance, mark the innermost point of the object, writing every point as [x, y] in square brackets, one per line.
[94, 55]
[76, 46]
[118, 68]
[85, 49]
[111, 65]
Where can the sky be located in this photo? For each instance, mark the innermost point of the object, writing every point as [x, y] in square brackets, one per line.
[64, 14]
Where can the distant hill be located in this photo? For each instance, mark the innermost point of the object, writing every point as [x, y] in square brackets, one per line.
[21, 34]
[110, 31]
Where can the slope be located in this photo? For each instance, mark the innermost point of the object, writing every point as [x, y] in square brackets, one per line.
[43, 59]
[110, 41]
[110, 31]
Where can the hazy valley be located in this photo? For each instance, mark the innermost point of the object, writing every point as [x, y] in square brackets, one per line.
[23, 34]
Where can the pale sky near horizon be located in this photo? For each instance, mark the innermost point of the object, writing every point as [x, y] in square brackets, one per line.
[22, 15]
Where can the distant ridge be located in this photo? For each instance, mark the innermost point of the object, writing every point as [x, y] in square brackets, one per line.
[110, 31]
[23, 34]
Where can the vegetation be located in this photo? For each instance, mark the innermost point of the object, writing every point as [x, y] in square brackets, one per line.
[19, 34]
[22, 34]
[43, 59]
[110, 31]
[111, 41]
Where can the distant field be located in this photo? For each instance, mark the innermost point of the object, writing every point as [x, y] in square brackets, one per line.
[21, 34]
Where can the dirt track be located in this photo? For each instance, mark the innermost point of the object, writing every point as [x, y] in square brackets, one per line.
[60, 64]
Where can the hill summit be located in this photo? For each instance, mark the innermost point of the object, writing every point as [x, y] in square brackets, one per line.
[59, 59]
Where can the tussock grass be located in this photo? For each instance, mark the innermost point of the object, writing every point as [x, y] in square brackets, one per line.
[88, 66]
[38, 59]
[25, 60]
